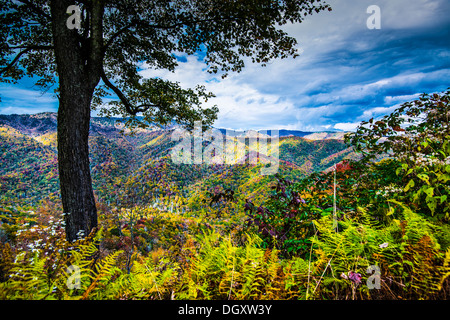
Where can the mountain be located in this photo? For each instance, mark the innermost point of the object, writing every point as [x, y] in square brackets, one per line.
[132, 169]
[28, 168]
[43, 123]
[31, 125]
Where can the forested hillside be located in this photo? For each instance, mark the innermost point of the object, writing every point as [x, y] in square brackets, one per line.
[29, 172]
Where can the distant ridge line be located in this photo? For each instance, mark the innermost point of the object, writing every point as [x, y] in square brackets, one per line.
[46, 122]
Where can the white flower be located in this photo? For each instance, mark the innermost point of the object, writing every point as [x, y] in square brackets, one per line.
[80, 234]
[387, 190]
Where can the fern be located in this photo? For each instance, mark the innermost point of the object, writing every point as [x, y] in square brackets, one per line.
[28, 281]
[445, 270]
[49, 277]
[222, 270]
[101, 278]
[147, 280]
[407, 251]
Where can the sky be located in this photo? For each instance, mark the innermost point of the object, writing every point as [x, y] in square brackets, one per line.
[346, 72]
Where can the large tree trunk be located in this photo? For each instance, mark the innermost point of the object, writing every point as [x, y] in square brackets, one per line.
[73, 160]
[78, 64]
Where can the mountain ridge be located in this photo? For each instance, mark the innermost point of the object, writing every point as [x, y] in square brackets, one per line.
[138, 168]
[46, 122]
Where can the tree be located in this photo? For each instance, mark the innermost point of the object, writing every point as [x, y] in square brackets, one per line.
[103, 56]
[416, 139]
[402, 132]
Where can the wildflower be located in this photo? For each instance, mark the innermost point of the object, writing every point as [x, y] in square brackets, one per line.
[354, 277]
[80, 234]
[391, 189]
[384, 245]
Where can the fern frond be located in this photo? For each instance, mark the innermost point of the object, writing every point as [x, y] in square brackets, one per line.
[104, 271]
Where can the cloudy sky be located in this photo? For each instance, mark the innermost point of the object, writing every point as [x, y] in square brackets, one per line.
[346, 72]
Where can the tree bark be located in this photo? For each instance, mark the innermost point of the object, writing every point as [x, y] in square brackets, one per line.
[73, 162]
[79, 74]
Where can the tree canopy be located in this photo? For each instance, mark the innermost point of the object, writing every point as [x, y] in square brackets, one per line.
[116, 37]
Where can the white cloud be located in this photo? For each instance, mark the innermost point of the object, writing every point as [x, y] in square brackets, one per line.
[345, 73]
[24, 101]
[401, 98]
[347, 126]
[239, 100]
[188, 74]
[378, 111]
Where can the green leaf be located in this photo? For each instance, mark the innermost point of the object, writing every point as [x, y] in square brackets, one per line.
[391, 211]
[425, 178]
[429, 191]
[409, 185]
[444, 177]
[432, 204]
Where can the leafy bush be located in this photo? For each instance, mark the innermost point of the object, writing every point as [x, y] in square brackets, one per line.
[388, 209]
[283, 222]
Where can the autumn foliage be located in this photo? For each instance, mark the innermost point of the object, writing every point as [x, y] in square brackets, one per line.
[170, 231]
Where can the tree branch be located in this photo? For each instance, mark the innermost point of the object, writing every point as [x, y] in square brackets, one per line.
[133, 110]
[35, 8]
[17, 57]
[32, 47]
[115, 35]
[160, 26]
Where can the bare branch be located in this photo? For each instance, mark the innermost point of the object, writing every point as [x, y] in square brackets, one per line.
[31, 47]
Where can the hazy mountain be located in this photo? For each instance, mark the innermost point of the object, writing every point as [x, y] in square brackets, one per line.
[136, 168]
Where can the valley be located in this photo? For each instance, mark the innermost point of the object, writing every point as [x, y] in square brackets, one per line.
[29, 173]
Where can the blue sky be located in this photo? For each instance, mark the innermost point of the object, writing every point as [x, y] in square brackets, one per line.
[346, 73]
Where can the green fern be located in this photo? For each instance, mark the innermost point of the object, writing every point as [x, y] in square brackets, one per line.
[28, 280]
[147, 280]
